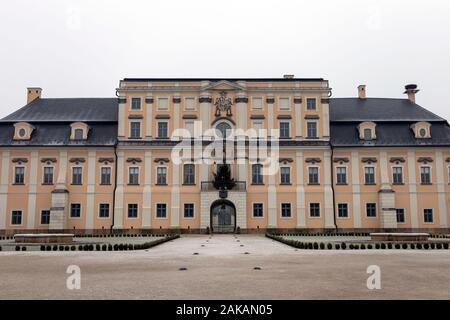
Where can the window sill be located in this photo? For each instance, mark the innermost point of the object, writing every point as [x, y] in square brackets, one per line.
[161, 184]
[133, 184]
[161, 218]
[342, 184]
[370, 184]
[314, 217]
[398, 184]
[426, 184]
[257, 184]
[313, 184]
[285, 184]
[48, 184]
[18, 184]
[105, 184]
[162, 138]
[312, 138]
[76, 184]
[135, 138]
[189, 184]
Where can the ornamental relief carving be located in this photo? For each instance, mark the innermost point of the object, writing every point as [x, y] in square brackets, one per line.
[223, 105]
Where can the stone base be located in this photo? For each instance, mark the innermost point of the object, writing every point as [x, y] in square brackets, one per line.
[399, 236]
[43, 238]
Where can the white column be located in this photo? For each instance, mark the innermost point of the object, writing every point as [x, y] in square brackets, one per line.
[298, 116]
[329, 203]
[241, 111]
[32, 190]
[60, 196]
[176, 112]
[272, 202]
[356, 191]
[149, 115]
[270, 114]
[205, 110]
[301, 206]
[175, 208]
[90, 203]
[412, 184]
[387, 196]
[62, 174]
[118, 210]
[326, 117]
[122, 111]
[441, 189]
[147, 196]
[4, 183]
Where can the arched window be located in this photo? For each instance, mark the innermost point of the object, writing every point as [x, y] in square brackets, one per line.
[223, 130]
[78, 134]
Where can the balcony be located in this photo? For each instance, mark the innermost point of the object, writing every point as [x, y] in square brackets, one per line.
[240, 186]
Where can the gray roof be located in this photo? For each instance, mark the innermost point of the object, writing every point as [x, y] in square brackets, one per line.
[76, 109]
[378, 109]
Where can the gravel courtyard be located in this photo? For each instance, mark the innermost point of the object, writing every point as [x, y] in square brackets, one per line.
[223, 267]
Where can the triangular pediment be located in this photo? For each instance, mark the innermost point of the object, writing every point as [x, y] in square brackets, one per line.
[224, 85]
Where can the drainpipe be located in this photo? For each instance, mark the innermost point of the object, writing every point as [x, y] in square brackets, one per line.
[115, 185]
[332, 187]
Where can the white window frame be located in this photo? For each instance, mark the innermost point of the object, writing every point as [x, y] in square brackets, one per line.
[306, 104]
[185, 103]
[110, 176]
[289, 103]
[158, 108]
[290, 174]
[40, 217]
[70, 211]
[71, 175]
[131, 104]
[188, 218]
[317, 129]
[309, 210]
[281, 211]
[432, 215]
[404, 215]
[431, 174]
[109, 211]
[290, 128]
[139, 175]
[376, 211]
[24, 175]
[348, 211]
[263, 215]
[346, 175]
[168, 128]
[43, 175]
[318, 175]
[21, 219]
[403, 175]
[374, 175]
[167, 211]
[140, 128]
[262, 103]
[137, 215]
[167, 175]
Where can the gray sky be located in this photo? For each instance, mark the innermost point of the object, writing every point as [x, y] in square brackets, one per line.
[83, 48]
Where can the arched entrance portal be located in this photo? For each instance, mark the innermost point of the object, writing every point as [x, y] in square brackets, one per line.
[223, 217]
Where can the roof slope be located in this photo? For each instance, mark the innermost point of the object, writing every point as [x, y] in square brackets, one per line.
[378, 109]
[76, 109]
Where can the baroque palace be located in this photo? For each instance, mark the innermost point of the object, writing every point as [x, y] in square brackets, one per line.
[93, 165]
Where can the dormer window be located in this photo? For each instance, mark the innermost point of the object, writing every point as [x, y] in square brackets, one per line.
[367, 131]
[23, 131]
[79, 131]
[421, 130]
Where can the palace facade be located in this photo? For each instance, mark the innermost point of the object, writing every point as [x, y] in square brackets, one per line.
[92, 165]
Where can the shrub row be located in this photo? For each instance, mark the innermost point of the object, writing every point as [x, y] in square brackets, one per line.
[358, 246]
[322, 234]
[120, 235]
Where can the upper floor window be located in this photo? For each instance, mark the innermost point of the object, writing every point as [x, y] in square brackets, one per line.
[284, 103]
[425, 175]
[285, 175]
[285, 130]
[397, 175]
[367, 134]
[312, 130]
[161, 175]
[369, 175]
[105, 176]
[257, 177]
[48, 175]
[189, 174]
[45, 217]
[257, 103]
[341, 175]
[19, 175]
[367, 131]
[421, 130]
[163, 104]
[223, 130]
[189, 104]
[135, 129]
[78, 134]
[77, 175]
[311, 104]
[163, 131]
[136, 104]
[133, 175]
[23, 131]
[79, 131]
[313, 175]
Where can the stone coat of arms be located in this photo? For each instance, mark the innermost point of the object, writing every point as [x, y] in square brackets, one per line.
[223, 104]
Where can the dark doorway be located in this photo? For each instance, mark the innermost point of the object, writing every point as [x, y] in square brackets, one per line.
[223, 217]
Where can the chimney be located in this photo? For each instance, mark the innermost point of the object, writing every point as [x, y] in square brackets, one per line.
[411, 90]
[362, 91]
[289, 76]
[33, 94]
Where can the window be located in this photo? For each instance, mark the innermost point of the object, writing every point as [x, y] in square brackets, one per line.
[22, 133]
[428, 215]
[78, 134]
[314, 210]
[103, 211]
[163, 104]
[257, 103]
[312, 130]
[397, 175]
[135, 130]
[422, 133]
[161, 175]
[163, 130]
[341, 175]
[425, 175]
[189, 125]
[257, 177]
[75, 210]
[285, 175]
[284, 103]
[48, 175]
[257, 125]
[161, 210]
[285, 210]
[189, 174]
[136, 104]
[311, 104]
[368, 134]
[371, 210]
[189, 210]
[369, 175]
[189, 104]
[400, 215]
[133, 175]
[105, 175]
[45, 217]
[19, 175]
[16, 217]
[132, 210]
[258, 210]
[313, 175]
[77, 175]
[223, 130]
[343, 210]
[285, 130]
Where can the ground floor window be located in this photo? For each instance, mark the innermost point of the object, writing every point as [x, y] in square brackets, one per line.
[75, 210]
[258, 210]
[343, 210]
[428, 215]
[314, 210]
[286, 210]
[133, 210]
[104, 210]
[45, 217]
[188, 210]
[371, 210]
[161, 210]
[400, 215]
[16, 217]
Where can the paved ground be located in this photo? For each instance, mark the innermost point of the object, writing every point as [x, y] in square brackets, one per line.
[222, 270]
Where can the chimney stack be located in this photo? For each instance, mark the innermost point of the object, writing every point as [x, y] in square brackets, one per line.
[362, 91]
[33, 94]
[411, 90]
[288, 76]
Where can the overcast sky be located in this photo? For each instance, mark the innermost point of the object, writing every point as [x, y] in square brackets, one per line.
[83, 48]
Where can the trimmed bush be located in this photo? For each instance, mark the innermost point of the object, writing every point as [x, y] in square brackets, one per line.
[337, 246]
[397, 246]
[73, 248]
[110, 247]
[97, 247]
[419, 246]
[369, 246]
[377, 246]
[412, 245]
[446, 245]
[426, 246]
[343, 246]
[42, 248]
[55, 248]
[48, 248]
[439, 246]
[432, 245]
[389, 245]
[329, 246]
[356, 246]
[316, 246]
[404, 246]
[363, 247]
[67, 248]
[351, 246]
[91, 247]
[383, 246]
